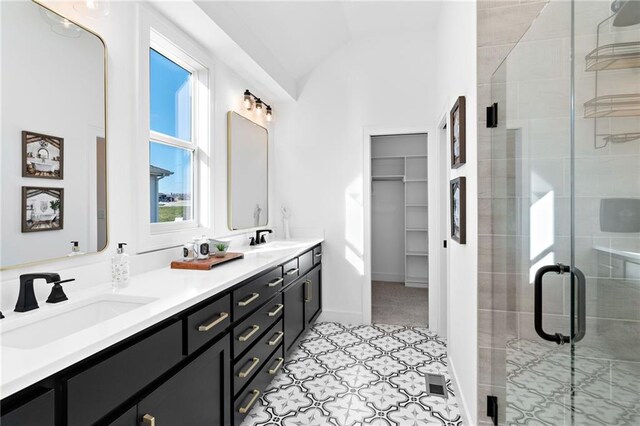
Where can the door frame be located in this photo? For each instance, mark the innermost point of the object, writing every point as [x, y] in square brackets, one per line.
[368, 132]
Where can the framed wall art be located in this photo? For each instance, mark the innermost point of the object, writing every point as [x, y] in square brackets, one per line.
[42, 209]
[42, 156]
[458, 194]
[458, 133]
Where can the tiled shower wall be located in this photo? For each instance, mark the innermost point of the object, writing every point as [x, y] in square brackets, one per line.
[501, 23]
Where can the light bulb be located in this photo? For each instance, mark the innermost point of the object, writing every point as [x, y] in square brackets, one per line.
[269, 114]
[94, 9]
[247, 100]
[258, 106]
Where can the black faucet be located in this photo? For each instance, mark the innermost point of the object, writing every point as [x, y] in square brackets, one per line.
[27, 298]
[259, 238]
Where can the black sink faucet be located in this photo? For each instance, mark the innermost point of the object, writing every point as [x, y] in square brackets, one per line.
[27, 297]
[259, 238]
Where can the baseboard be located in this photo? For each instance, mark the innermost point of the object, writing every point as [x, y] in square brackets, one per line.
[343, 317]
[381, 276]
[416, 285]
[464, 407]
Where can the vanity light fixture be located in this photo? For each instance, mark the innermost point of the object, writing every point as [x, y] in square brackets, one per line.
[251, 101]
[93, 8]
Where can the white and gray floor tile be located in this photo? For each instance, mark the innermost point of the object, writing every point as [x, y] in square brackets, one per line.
[344, 375]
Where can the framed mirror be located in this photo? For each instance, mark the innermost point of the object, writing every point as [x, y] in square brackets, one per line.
[247, 173]
[53, 135]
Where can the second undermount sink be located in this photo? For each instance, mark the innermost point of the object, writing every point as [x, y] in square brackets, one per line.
[39, 330]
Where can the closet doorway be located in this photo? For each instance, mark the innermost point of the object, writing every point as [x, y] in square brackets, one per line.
[399, 230]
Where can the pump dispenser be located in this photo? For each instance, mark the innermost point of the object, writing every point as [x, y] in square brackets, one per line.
[120, 267]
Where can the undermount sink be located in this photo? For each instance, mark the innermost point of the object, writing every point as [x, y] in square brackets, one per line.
[276, 245]
[39, 330]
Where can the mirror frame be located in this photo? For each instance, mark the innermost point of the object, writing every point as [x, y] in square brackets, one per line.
[229, 172]
[106, 147]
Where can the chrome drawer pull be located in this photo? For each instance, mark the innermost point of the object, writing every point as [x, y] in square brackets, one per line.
[246, 372]
[292, 271]
[275, 369]
[318, 254]
[277, 337]
[245, 302]
[279, 307]
[276, 282]
[309, 284]
[148, 419]
[206, 327]
[246, 408]
[247, 336]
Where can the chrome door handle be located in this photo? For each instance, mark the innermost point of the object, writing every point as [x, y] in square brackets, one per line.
[559, 338]
[244, 373]
[274, 340]
[275, 282]
[581, 309]
[210, 325]
[292, 271]
[245, 337]
[148, 419]
[309, 296]
[255, 394]
[279, 307]
[245, 302]
[275, 369]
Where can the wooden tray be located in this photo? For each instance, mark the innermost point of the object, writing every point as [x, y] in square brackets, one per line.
[205, 264]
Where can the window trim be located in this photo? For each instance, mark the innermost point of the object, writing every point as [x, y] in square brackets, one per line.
[159, 34]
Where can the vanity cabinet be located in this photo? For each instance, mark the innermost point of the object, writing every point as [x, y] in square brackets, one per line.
[313, 295]
[196, 395]
[37, 411]
[206, 365]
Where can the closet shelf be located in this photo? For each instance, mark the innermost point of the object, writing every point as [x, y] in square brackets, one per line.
[627, 105]
[388, 177]
[387, 157]
[415, 180]
[422, 280]
[417, 230]
[417, 205]
[417, 253]
[614, 57]
[620, 137]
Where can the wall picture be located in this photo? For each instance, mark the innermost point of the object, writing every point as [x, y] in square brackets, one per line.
[42, 155]
[459, 210]
[458, 133]
[42, 209]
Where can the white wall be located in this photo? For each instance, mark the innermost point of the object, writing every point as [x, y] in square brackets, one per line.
[387, 81]
[120, 32]
[456, 75]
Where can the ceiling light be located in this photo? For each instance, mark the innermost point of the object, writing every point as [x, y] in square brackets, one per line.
[93, 8]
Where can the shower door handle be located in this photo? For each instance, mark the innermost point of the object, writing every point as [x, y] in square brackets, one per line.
[581, 309]
[559, 338]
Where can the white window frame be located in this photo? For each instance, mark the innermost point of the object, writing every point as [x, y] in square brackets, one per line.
[159, 34]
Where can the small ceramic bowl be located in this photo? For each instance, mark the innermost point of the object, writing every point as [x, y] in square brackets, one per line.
[218, 248]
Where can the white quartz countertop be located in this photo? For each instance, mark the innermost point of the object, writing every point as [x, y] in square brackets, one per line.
[171, 291]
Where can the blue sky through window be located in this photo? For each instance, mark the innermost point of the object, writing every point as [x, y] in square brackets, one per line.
[170, 114]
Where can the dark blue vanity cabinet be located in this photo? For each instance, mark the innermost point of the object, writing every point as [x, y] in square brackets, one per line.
[207, 365]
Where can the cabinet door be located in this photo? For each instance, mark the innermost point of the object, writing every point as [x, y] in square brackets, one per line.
[39, 411]
[313, 295]
[197, 395]
[293, 313]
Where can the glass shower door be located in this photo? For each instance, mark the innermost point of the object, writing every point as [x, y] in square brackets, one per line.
[565, 207]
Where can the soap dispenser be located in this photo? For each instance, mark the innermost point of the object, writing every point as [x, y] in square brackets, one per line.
[75, 249]
[120, 267]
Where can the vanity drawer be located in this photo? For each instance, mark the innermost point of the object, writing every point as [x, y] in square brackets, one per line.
[208, 322]
[305, 262]
[38, 411]
[255, 292]
[291, 271]
[248, 365]
[317, 255]
[249, 397]
[250, 330]
[94, 392]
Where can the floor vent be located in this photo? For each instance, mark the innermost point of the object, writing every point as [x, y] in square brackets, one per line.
[436, 385]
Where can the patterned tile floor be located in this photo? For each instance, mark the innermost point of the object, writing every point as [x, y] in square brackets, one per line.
[538, 387]
[344, 375]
